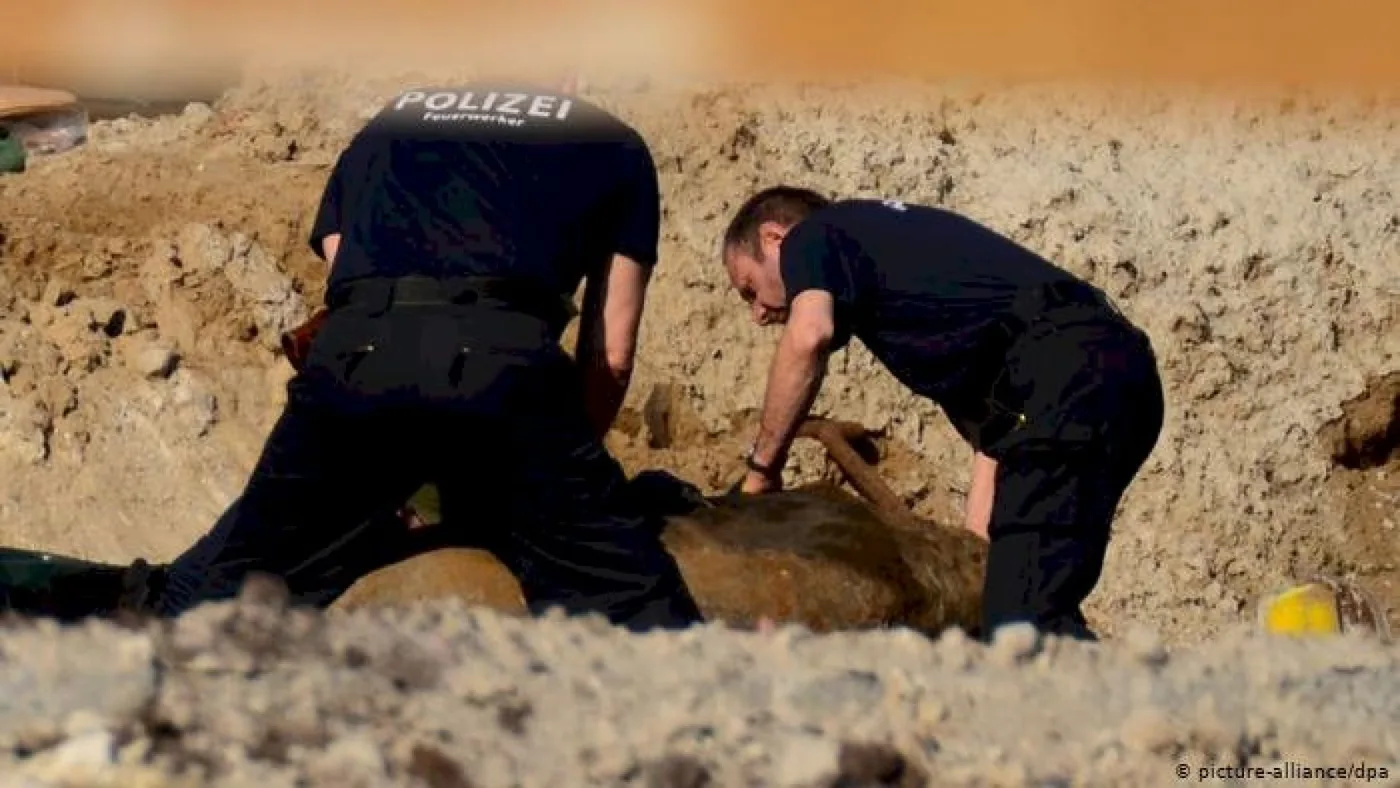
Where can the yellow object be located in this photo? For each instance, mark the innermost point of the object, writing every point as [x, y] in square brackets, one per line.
[1309, 609]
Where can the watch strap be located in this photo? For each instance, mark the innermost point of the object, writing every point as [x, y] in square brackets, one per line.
[755, 466]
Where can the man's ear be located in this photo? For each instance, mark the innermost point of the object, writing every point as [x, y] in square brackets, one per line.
[770, 240]
[771, 232]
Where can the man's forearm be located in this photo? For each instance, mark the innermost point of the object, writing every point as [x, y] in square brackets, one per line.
[604, 384]
[607, 337]
[793, 382]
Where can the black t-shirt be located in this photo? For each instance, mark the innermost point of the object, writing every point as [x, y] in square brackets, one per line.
[926, 290]
[490, 180]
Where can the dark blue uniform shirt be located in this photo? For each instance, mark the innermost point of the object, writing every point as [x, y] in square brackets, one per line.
[929, 292]
[490, 180]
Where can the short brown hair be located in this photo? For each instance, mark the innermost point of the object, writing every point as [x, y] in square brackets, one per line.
[786, 205]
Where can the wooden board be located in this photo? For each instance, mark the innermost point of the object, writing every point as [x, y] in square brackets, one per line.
[16, 100]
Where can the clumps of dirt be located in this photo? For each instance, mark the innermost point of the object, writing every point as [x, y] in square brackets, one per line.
[132, 357]
[443, 696]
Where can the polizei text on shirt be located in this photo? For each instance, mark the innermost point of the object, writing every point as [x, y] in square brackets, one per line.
[475, 106]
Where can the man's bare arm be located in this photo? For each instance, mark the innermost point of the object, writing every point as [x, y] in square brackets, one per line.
[329, 246]
[795, 375]
[980, 494]
[607, 338]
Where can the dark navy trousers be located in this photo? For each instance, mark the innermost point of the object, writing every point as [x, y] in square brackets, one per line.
[476, 398]
[1088, 390]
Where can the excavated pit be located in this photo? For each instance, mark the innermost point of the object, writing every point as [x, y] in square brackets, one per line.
[1364, 445]
[145, 279]
[840, 553]
[147, 276]
[1367, 436]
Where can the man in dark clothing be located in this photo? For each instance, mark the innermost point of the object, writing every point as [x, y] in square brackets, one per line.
[1055, 390]
[458, 223]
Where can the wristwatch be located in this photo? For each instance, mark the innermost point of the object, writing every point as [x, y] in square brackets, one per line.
[754, 465]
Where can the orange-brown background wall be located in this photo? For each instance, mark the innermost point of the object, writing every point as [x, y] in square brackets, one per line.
[1352, 42]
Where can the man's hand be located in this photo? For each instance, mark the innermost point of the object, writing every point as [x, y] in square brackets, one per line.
[755, 483]
[980, 494]
[759, 479]
[296, 343]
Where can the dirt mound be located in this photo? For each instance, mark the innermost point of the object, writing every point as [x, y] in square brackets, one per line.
[143, 281]
[243, 693]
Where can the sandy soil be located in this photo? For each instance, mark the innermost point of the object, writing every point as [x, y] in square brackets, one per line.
[145, 277]
[246, 693]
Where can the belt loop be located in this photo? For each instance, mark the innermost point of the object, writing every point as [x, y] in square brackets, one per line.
[381, 296]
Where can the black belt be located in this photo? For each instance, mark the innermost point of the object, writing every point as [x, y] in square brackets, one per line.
[986, 419]
[1067, 300]
[513, 294]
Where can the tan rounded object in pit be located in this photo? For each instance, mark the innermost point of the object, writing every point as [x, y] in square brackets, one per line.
[815, 556]
[474, 576]
[824, 559]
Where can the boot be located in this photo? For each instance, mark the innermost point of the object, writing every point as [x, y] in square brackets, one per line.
[44, 585]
